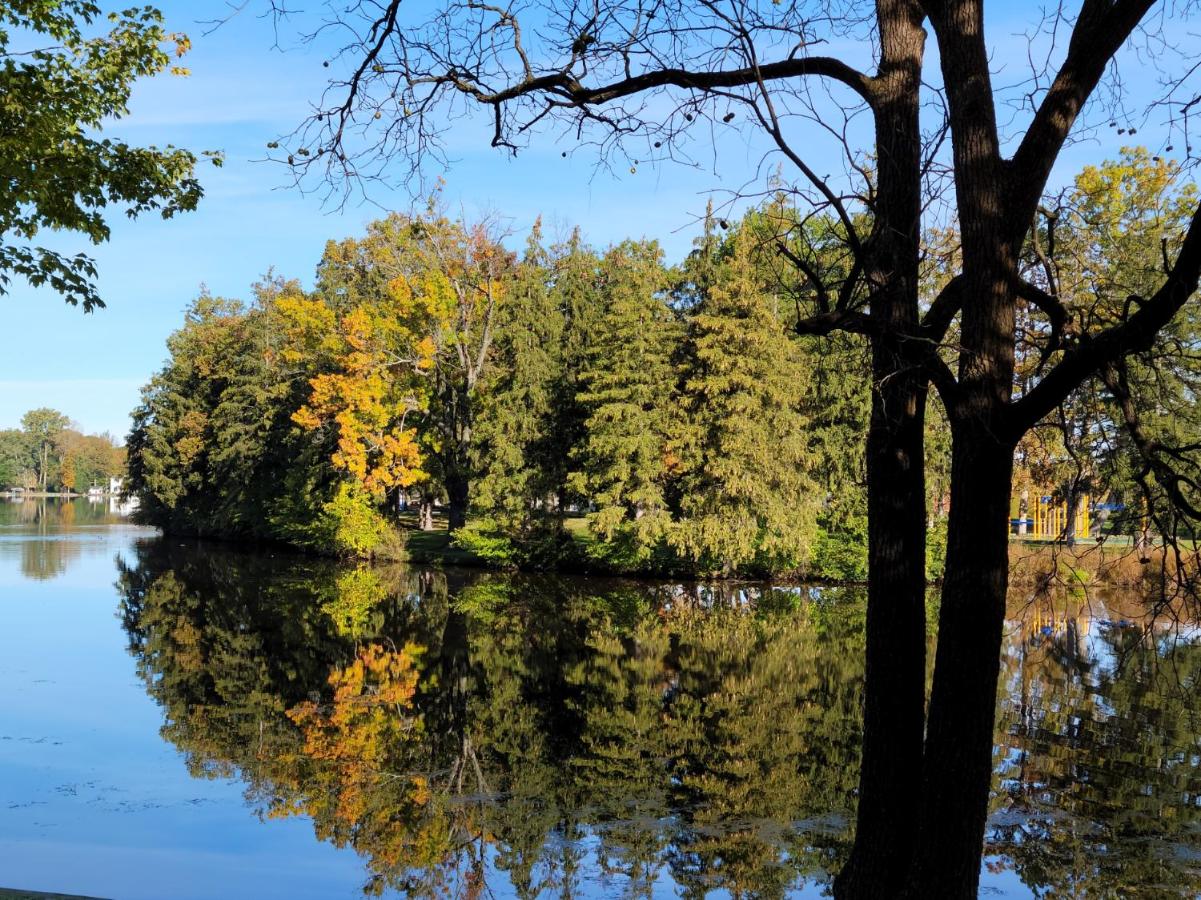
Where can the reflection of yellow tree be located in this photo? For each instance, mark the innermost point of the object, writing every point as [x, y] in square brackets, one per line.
[357, 596]
[358, 756]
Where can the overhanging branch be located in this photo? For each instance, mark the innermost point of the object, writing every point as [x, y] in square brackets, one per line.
[1101, 29]
[1092, 353]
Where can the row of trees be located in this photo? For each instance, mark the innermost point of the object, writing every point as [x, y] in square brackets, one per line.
[672, 405]
[430, 364]
[49, 453]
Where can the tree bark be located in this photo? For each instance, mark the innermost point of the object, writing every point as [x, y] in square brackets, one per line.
[957, 764]
[960, 722]
[458, 491]
[895, 675]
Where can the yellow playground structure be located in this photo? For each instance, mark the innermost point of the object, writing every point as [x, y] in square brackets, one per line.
[1050, 520]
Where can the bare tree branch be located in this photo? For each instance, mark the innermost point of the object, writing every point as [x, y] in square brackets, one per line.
[1093, 353]
[1101, 29]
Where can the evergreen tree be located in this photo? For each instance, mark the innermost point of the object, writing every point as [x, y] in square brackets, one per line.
[700, 270]
[746, 495]
[837, 403]
[213, 449]
[514, 432]
[575, 289]
[624, 464]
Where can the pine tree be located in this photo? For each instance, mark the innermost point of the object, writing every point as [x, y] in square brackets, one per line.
[575, 289]
[514, 430]
[700, 269]
[623, 465]
[836, 403]
[746, 495]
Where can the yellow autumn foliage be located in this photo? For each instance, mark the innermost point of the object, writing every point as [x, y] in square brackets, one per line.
[359, 792]
[375, 358]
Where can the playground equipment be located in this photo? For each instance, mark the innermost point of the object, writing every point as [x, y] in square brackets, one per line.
[1049, 519]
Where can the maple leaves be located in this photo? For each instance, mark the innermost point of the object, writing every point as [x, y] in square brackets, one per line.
[376, 356]
[390, 308]
[67, 79]
[361, 791]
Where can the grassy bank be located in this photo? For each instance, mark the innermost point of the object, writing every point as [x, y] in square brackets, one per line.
[1032, 564]
[438, 546]
[1083, 564]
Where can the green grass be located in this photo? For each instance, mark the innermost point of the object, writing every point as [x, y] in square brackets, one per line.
[577, 527]
[432, 546]
[436, 546]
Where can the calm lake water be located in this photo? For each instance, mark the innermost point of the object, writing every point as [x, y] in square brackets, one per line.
[188, 720]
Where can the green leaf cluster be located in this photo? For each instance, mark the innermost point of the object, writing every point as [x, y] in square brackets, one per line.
[64, 79]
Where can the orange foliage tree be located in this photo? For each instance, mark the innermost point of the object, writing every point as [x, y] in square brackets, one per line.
[361, 750]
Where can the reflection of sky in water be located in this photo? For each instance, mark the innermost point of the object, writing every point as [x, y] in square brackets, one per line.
[93, 801]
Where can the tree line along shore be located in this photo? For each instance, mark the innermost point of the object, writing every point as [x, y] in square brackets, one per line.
[437, 395]
[48, 456]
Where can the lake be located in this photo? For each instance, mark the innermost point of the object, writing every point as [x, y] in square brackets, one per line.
[186, 719]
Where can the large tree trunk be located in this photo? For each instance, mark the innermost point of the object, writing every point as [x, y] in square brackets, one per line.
[960, 723]
[458, 490]
[895, 677]
[959, 726]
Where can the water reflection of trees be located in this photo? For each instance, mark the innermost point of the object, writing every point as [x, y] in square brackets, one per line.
[45, 515]
[1097, 790]
[44, 560]
[45, 525]
[452, 728]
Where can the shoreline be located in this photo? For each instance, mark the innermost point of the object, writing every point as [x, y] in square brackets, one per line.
[42, 495]
[1033, 564]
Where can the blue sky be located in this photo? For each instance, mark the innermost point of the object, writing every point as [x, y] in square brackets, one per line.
[242, 94]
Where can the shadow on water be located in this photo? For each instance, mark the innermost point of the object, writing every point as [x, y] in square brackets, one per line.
[556, 736]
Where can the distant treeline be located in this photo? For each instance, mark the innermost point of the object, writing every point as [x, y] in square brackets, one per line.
[570, 405]
[48, 453]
